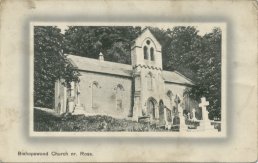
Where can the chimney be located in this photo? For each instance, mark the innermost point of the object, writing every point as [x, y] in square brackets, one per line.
[101, 57]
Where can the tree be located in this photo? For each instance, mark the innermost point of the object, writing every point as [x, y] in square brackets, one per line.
[180, 46]
[208, 81]
[49, 64]
[113, 41]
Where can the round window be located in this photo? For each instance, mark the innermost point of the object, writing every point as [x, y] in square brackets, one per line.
[148, 42]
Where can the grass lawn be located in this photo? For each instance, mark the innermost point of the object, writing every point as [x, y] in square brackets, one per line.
[46, 122]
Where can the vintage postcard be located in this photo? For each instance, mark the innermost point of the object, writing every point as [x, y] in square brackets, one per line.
[120, 79]
[128, 81]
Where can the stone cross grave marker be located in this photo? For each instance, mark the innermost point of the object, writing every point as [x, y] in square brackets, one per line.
[193, 111]
[203, 105]
[205, 124]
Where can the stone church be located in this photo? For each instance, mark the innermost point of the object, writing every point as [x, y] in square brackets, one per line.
[142, 89]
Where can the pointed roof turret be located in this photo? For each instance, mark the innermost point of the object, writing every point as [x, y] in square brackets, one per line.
[101, 56]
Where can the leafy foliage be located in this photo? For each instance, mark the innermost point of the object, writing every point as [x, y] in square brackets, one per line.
[208, 83]
[49, 64]
[114, 41]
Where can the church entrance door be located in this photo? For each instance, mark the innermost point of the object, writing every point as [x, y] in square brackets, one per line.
[151, 107]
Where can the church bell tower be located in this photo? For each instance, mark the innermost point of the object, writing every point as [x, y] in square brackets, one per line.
[146, 51]
[147, 72]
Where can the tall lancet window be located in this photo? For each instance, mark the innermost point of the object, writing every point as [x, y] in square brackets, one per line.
[152, 54]
[145, 51]
[149, 81]
[170, 97]
[119, 97]
[94, 97]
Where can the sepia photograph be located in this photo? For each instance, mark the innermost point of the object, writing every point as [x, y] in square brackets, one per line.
[128, 81]
[140, 78]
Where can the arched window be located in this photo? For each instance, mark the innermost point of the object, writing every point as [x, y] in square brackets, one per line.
[119, 97]
[94, 96]
[186, 99]
[145, 51]
[149, 81]
[151, 108]
[170, 98]
[152, 53]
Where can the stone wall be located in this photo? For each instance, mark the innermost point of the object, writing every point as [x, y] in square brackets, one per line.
[157, 89]
[99, 94]
[176, 89]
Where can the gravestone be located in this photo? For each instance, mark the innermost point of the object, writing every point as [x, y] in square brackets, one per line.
[168, 119]
[189, 116]
[205, 123]
[161, 115]
[183, 126]
[194, 117]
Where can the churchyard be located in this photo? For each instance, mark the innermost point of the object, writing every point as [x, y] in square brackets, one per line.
[48, 120]
[44, 121]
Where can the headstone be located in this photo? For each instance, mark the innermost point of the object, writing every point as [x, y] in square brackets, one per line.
[169, 121]
[189, 115]
[162, 114]
[203, 105]
[194, 117]
[205, 123]
[183, 126]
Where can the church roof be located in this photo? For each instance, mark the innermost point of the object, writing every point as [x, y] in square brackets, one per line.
[105, 67]
[176, 77]
[113, 68]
